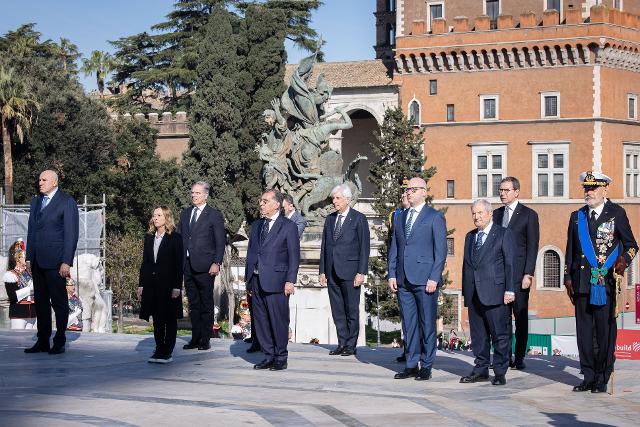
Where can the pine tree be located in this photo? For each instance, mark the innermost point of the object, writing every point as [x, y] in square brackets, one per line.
[399, 148]
[216, 117]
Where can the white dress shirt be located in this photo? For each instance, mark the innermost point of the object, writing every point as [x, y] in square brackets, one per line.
[343, 215]
[156, 245]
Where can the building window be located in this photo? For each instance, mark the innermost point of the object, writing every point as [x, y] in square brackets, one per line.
[450, 249]
[550, 169]
[489, 107]
[632, 170]
[414, 112]
[391, 5]
[434, 10]
[553, 4]
[391, 35]
[492, 9]
[550, 105]
[617, 4]
[451, 189]
[551, 270]
[451, 113]
[489, 167]
[632, 101]
[433, 87]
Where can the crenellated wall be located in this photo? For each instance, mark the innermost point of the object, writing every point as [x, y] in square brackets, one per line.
[173, 131]
[608, 37]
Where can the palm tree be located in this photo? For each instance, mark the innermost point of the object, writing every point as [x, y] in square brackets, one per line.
[66, 51]
[100, 63]
[17, 109]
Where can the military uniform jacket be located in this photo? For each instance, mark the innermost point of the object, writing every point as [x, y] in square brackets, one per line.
[611, 229]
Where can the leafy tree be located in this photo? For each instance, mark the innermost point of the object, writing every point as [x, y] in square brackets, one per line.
[399, 148]
[17, 109]
[100, 63]
[124, 257]
[216, 117]
[67, 53]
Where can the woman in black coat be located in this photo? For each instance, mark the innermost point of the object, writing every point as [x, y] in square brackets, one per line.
[161, 282]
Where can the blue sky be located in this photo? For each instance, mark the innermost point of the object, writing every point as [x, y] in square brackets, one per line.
[347, 26]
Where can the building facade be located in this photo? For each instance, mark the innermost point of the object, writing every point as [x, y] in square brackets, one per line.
[519, 88]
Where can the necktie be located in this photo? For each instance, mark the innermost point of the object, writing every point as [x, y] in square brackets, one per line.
[194, 218]
[338, 228]
[45, 202]
[479, 238]
[409, 223]
[505, 218]
[592, 222]
[265, 229]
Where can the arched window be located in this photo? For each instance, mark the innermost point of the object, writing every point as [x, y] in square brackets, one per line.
[551, 271]
[414, 112]
[391, 5]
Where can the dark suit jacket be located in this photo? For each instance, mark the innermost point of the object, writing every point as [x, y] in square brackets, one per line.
[349, 253]
[490, 271]
[422, 256]
[52, 234]
[159, 277]
[206, 241]
[576, 266]
[300, 222]
[277, 258]
[526, 237]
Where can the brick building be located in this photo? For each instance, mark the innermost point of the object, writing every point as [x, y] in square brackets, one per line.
[515, 88]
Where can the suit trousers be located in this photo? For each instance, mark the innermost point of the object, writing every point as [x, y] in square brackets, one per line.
[418, 310]
[165, 329]
[520, 308]
[199, 287]
[49, 290]
[255, 342]
[271, 316]
[345, 309]
[490, 324]
[599, 321]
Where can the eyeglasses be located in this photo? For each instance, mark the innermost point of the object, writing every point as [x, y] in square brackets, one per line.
[414, 189]
[505, 190]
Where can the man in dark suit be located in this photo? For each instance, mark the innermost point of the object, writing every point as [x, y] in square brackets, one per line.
[202, 230]
[52, 237]
[293, 214]
[344, 262]
[600, 245]
[488, 287]
[524, 226]
[273, 257]
[417, 256]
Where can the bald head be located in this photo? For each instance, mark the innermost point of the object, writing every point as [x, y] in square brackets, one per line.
[416, 191]
[48, 181]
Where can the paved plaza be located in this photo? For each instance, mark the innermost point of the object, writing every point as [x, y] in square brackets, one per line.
[104, 380]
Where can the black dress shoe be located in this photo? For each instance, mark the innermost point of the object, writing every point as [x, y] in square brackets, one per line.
[499, 380]
[204, 346]
[265, 364]
[474, 378]
[253, 349]
[599, 388]
[37, 348]
[336, 351]
[57, 349]
[407, 373]
[190, 345]
[583, 386]
[278, 366]
[512, 363]
[401, 359]
[519, 364]
[348, 351]
[424, 374]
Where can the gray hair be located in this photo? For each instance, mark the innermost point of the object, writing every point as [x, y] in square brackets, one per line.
[343, 189]
[277, 195]
[203, 184]
[484, 202]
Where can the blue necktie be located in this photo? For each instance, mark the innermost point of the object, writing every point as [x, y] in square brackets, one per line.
[45, 202]
[479, 238]
[338, 228]
[265, 230]
[407, 226]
